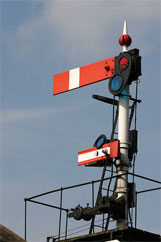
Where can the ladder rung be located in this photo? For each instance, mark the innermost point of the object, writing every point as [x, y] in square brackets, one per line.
[104, 188]
[99, 226]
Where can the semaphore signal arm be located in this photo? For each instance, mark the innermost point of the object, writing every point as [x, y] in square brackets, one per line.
[83, 76]
[121, 69]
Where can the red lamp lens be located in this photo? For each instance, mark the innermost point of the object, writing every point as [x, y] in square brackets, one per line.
[123, 63]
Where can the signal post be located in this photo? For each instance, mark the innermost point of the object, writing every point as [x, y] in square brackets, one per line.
[123, 133]
[122, 70]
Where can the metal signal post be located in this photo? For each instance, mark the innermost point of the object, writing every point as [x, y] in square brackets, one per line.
[123, 133]
[123, 163]
[122, 71]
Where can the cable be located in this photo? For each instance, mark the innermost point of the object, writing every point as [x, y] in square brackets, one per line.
[109, 184]
[135, 108]
[81, 227]
[136, 97]
[134, 168]
[113, 112]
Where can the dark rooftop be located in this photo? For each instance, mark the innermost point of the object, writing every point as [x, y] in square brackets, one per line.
[125, 234]
[6, 235]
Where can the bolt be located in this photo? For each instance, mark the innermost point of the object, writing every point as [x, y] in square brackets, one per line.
[107, 68]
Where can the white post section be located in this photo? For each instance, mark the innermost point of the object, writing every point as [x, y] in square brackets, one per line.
[123, 162]
[123, 134]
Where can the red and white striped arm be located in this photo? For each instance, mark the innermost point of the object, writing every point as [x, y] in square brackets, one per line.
[94, 155]
[83, 76]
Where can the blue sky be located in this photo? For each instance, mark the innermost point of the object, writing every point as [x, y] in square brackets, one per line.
[41, 134]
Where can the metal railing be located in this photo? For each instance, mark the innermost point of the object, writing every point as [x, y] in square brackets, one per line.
[61, 209]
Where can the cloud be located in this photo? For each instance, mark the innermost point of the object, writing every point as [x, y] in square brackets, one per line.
[82, 28]
[19, 115]
[14, 115]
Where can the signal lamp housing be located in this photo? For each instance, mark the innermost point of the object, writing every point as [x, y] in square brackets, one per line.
[100, 141]
[122, 73]
[127, 69]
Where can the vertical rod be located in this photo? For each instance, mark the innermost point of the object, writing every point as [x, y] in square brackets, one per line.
[114, 124]
[131, 114]
[66, 227]
[107, 222]
[92, 194]
[103, 222]
[98, 197]
[61, 195]
[25, 217]
[136, 212]
[123, 163]
[93, 198]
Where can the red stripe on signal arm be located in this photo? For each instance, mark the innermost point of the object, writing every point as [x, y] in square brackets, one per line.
[114, 152]
[96, 72]
[114, 149]
[89, 74]
[61, 82]
[87, 150]
[91, 160]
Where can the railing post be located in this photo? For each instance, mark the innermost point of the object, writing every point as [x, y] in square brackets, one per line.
[61, 196]
[103, 222]
[93, 194]
[66, 227]
[93, 198]
[25, 217]
[136, 211]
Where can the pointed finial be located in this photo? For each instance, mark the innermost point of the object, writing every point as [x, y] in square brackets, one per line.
[125, 31]
[125, 40]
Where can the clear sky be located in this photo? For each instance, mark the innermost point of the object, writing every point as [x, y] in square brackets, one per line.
[41, 134]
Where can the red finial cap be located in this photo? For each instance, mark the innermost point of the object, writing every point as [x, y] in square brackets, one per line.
[125, 40]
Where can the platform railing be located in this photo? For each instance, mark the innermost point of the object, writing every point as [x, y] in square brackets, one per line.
[64, 235]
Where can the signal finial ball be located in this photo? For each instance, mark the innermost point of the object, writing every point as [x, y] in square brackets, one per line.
[125, 40]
